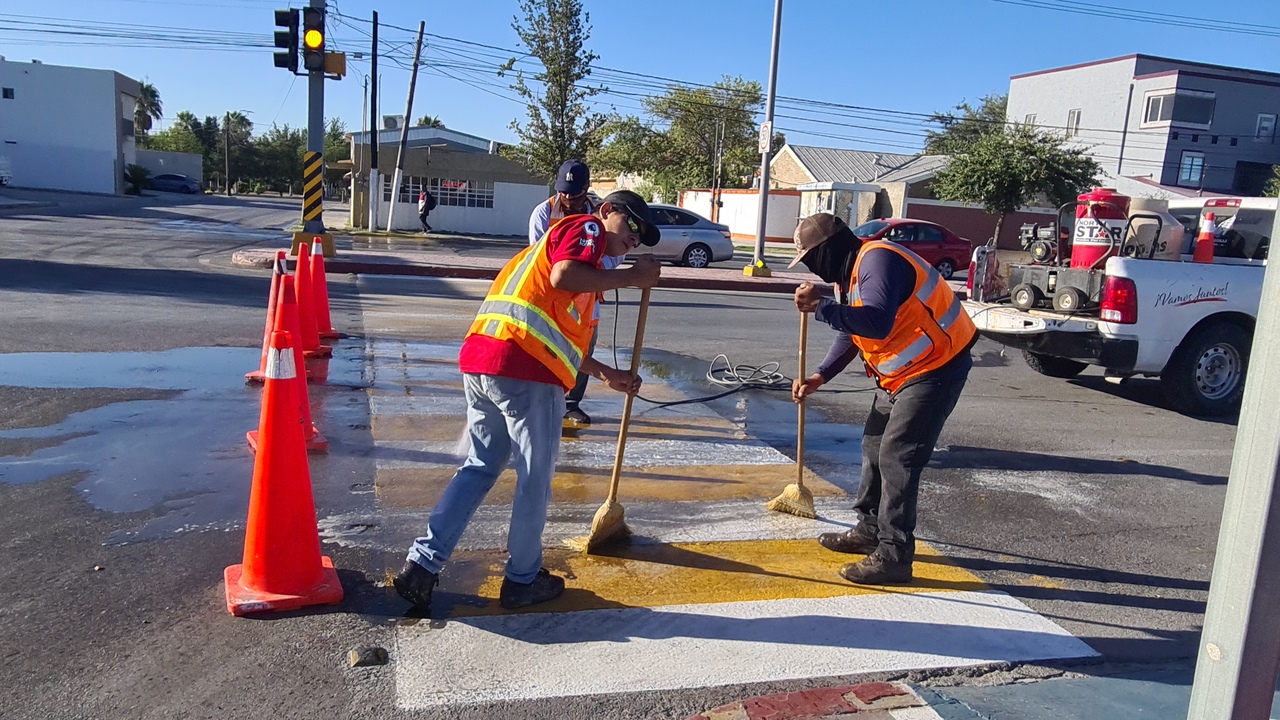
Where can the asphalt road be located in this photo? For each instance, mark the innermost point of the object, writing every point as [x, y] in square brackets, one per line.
[124, 323]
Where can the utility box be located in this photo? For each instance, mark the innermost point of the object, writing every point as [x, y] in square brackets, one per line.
[852, 202]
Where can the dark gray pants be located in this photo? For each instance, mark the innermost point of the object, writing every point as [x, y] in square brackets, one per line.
[897, 443]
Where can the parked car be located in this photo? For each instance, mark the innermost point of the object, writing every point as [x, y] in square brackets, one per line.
[173, 182]
[939, 247]
[688, 238]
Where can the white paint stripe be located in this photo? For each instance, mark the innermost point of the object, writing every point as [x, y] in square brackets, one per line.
[915, 713]
[515, 657]
[639, 453]
[393, 530]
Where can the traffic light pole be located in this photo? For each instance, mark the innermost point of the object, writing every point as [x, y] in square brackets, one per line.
[313, 161]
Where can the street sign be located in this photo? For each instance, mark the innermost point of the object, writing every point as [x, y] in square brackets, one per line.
[766, 137]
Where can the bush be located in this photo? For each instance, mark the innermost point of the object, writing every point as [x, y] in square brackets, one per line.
[137, 177]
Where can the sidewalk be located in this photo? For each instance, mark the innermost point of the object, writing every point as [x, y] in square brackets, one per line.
[1162, 693]
[364, 255]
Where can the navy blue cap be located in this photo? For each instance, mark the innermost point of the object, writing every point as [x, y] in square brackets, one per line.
[573, 178]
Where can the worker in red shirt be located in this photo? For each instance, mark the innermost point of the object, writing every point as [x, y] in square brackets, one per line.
[520, 357]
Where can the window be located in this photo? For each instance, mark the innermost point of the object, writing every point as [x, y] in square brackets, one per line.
[448, 192]
[682, 218]
[1073, 122]
[928, 233]
[1030, 119]
[8, 93]
[1191, 169]
[126, 127]
[1266, 129]
[901, 234]
[1184, 107]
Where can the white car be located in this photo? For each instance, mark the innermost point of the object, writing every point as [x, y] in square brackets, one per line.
[688, 238]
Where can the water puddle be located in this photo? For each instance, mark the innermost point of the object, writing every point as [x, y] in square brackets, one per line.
[184, 455]
[218, 228]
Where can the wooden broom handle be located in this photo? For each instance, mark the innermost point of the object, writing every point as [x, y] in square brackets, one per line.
[804, 346]
[626, 404]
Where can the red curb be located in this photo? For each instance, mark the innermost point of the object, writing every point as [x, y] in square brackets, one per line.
[815, 703]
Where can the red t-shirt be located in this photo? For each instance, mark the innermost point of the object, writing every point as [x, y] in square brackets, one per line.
[578, 237]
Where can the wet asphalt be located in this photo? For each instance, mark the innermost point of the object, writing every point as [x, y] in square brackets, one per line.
[124, 477]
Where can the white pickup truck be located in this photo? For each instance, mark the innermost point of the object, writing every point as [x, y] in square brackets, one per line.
[1190, 324]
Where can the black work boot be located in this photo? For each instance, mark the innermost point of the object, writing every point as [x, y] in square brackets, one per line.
[574, 416]
[414, 583]
[852, 540]
[876, 569]
[545, 587]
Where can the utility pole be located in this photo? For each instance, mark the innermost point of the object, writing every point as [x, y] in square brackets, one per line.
[758, 267]
[404, 129]
[375, 137]
[1239, 652]
[718, 181]
[355, 174]
[226, 152]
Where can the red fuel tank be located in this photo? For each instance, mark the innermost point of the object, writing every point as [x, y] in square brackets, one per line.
[1101, 216]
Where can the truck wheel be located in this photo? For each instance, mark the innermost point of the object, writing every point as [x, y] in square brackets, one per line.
[1205, 376]
[1053, 366]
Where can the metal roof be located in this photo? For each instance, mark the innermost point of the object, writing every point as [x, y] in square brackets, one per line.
[917, 168]
[839, 165]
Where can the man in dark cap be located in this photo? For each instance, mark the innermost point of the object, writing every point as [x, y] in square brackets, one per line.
[522, 353]
[914, 338]
[571, 198]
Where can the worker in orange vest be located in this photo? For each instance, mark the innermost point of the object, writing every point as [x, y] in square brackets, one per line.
[520, 357]
[914, 338]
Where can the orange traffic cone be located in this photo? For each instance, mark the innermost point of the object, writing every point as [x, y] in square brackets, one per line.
[1205, 240]
[259, 375]
[310, 344]
[320, 284]
[287, 321]
[282, 567]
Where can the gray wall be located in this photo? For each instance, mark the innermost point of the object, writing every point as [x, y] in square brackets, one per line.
[158, 161]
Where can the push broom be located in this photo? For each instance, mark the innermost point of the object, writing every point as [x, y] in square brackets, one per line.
[796, 498]
[608, 523]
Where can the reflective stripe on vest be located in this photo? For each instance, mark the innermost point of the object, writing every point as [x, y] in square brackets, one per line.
[517, 312]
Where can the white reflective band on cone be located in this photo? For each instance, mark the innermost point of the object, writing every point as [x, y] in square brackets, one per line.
[280, 365]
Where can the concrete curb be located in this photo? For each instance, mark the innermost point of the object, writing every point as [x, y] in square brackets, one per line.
[868, 700]
[423, 264]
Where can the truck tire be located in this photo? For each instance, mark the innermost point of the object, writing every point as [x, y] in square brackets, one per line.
[1206, 374]
[1053, 366]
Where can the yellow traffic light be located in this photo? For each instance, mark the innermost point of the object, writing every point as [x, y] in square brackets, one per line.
[313, 39]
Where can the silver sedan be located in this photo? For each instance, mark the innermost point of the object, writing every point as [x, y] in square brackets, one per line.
[688, 238]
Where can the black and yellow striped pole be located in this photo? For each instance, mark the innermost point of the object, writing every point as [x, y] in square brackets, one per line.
[313, 60]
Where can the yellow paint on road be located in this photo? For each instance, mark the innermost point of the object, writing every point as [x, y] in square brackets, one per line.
[688, 573]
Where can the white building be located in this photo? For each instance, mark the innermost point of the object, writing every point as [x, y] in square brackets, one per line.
[66, 128]
[477, 191]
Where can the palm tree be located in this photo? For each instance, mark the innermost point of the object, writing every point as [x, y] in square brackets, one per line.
[146, 109]
[429, 121]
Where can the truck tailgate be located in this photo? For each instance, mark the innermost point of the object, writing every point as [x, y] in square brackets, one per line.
[1010, 320]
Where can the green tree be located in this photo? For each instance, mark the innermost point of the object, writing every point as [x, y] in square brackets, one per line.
[178, 138]
[336, 145]
[429, 121]
[559, 126]
[146, 109]
[236, 132]
[683, 153]
[957, 130]
[1273, 185]
[1009, 168]
[278, 153]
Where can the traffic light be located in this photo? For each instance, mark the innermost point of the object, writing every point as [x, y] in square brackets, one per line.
[313, 39]
[287, 39]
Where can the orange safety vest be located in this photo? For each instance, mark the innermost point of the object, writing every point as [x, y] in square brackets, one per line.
[554, 326]
[930, 329]
[557, 213]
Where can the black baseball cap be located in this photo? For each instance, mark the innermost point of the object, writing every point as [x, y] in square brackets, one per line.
[637, 209]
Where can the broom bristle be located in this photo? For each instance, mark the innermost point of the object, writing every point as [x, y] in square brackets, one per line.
[794, 500]
[608, 525]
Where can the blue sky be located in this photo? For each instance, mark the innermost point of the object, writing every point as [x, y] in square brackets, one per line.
[914, 56]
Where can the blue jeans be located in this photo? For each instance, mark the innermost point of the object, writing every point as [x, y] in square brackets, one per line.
[504, 417]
